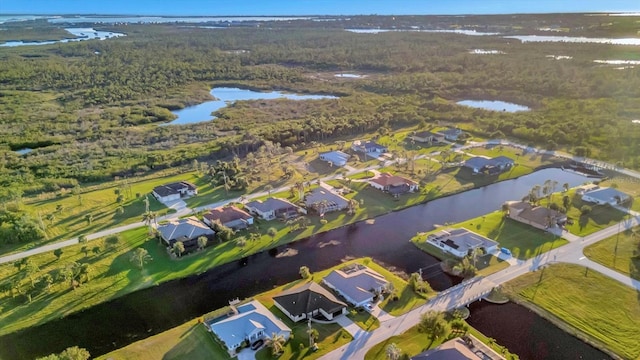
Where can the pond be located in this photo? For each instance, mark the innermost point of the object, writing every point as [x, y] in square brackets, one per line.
[386, 238]
[224, 96]
[23, 151]
[493, 105]
[81, 33]
[527, 334]
[575, 39]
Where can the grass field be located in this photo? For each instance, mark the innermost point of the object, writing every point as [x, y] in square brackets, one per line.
[620, 252]
[188, 341]
[596, 305]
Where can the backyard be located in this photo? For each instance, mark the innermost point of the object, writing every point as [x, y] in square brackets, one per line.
[592, 303]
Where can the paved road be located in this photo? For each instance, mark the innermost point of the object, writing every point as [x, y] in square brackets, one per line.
[181, 208]
[478, 287]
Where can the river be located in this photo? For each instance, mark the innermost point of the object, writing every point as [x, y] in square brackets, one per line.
[114, 324]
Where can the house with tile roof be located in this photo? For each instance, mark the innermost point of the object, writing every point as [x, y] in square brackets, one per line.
[229, 216]
[393, 184]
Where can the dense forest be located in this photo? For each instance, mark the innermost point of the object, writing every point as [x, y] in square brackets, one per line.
[92, 109]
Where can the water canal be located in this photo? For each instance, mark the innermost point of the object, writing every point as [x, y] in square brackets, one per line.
[114, 324]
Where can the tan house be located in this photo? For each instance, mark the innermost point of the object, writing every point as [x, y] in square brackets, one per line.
[539, 217]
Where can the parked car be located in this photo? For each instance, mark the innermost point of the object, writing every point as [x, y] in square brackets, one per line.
[505, 251]
[368, 307]
[256, 345]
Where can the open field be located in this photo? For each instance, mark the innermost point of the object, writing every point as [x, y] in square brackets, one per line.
[620, 252]
[600, 307]
[188, 341]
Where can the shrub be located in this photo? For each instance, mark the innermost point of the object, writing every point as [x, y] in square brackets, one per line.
[585, 209]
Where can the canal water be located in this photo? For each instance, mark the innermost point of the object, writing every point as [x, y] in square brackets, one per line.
[530, 336]
[114, 324]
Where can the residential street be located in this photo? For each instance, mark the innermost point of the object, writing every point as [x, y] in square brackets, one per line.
[478, 287]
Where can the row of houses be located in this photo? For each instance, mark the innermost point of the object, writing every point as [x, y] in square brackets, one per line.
[250, 322]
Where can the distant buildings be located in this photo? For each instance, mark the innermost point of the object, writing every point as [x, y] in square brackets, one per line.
[461, 242]
[394, 185]
[489, 166]
[335, 158]
[273, 208]
[368, 147]
[174, 191]
[427, 137]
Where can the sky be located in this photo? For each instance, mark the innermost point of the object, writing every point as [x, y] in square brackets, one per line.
[311, 7]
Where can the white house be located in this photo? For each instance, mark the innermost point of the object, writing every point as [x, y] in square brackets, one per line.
[249, 322]
[324, 199]
[603, 196]
[460, 242]
[274, 208]
[368, 147]
[336, 158]
[174, 191]
[357, 284]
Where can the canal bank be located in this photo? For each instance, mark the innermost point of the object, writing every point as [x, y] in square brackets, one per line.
[135, 316]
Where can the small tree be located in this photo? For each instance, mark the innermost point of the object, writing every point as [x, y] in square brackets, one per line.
[305, 273]
[82, 239]
[70, 353]
[178, 248]
[585, 210]
[57, 253]
[202, 242]
[433, 324]
[276, 343]
[241, 241]
[272, 232]
[393, 351]
[140, 257]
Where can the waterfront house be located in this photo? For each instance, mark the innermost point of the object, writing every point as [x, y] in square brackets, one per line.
[309, 301]
[273, 208]
[495, 165]
[186, 230]
[229, 216]
[368, 147]
[324, 199]
[335, 158]
[539, 217]
[427, 137]
[356, 283]
[604, 196]
[246, 324]
[461, 242]
[174, 191]
[393, 184]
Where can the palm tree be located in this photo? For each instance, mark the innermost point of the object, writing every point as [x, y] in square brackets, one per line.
[140, 256]
[178, 248]
[272, 232]
[241, 241]
[313, 334]
[475, 253]
[202, 242]
[268, 188]
[148, 218]
[393, 351]
[433, 323]
[276, 343]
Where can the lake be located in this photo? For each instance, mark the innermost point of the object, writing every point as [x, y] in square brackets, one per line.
[445, 31]
[82, 33]
[493, 105]
[575, 39]
[224, 96]
[111, 325]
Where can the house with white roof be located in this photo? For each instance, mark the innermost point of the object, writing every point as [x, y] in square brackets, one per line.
[356, 283]
[461, 242]
[603, 196]
[335, 158]
[274, 208]
[246, 324]
[368, 147]
[324, 199]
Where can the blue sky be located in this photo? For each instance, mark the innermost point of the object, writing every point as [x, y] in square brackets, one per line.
[310, 7]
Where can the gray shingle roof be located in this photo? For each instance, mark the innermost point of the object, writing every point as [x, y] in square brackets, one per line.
[184, 229]
[269, 204]
[307, 298]
[356, 283]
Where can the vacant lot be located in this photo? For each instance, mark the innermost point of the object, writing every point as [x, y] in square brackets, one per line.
[620, 252]
[596, 305]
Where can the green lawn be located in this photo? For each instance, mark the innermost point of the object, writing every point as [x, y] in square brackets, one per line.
[627, 185]
[620, 252]
[188, 341]
[69, 210]
[531, 160]
[524, 241]
[364, 319]
[411, 342]
[596, 305]
[600, 217]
